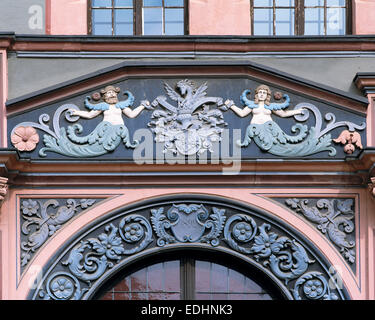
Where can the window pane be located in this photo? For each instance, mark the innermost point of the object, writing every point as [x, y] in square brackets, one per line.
[123, 22]
[284, 22]
[174, 3]
[313, 3]
[174, 21]
[102, 3]
[340, 3]
[284, 3]
[101, 22]
[263, 24]
[152, 3]
[124, 3]
[335, 21]
[153, 21]
[172, 276]
[202, 276]
[219, 278]
[263, 3]
[314, 21]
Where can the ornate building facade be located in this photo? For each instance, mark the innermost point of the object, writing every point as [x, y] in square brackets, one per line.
[185, 149]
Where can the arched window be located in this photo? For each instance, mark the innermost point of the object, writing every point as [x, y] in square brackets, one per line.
[137, 17]
[189, 276]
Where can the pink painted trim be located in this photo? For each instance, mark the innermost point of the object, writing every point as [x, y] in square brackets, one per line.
[3, 97]
[370, 121]
[132, 196]
[48, 16]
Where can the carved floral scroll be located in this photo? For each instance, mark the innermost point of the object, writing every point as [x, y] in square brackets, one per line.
[94, 255]
[41, 219]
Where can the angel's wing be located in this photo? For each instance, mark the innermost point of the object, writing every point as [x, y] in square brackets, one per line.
[171, 93]
[97, 106]
[201, 91]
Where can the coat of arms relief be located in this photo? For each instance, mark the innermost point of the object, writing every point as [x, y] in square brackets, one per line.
[192, 124]
[186, 121]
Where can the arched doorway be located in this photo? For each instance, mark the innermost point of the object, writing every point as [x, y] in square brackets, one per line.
[189, 275]
[209, 224]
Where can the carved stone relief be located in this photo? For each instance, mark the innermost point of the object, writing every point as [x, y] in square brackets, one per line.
[42, 218]
[3, 189]
[188, 126]
[79, 270]
[267, 134]
[334, 218]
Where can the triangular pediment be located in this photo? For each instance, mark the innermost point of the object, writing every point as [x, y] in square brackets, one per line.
[210, 111]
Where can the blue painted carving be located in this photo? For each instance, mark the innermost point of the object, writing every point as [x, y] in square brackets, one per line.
[40, 222]
[188, 223]
[62, 286]
[314, 286]
[334, 218]
[90, 259]
[105, 138]
[268, 136]
[286, 258]
[190, 127]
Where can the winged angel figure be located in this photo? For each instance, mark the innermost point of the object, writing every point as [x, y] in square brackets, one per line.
[190, 127]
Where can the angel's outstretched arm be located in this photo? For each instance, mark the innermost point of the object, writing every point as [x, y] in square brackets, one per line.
[85, 114]
[135, 112]
[240, 112]
[288, 113]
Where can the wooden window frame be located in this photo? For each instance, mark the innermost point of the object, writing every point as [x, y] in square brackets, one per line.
[137, 17]
[299, 17]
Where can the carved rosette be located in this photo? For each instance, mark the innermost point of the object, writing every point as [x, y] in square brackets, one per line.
[105, 247]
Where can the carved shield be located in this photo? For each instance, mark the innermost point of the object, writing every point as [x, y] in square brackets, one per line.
[187, 221]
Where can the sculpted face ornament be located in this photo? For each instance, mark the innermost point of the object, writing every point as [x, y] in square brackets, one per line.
[193, 125]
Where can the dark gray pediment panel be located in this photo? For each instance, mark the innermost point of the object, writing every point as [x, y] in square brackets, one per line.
[151, 119]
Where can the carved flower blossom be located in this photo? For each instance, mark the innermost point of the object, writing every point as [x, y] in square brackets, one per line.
[313, 288]
[110, 245]
[62, 288]
[242, 231]
[133, 232]
[29, 207]
[265, 244]
[25, 138]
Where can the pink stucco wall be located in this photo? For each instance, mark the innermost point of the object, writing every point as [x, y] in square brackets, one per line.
[66, 17]
[3, 96]
[363, 17]
[360, 286]
[370, 121]
[219, 17]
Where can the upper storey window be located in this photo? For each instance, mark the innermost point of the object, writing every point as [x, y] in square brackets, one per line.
[137, 17]
[300, 17]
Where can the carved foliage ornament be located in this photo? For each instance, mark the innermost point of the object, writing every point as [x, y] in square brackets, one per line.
[42, 218]
[189, 125]
[333, 218]
[95, 254]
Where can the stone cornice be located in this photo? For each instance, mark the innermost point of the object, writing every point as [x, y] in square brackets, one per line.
[365, 81]
[17, 42]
